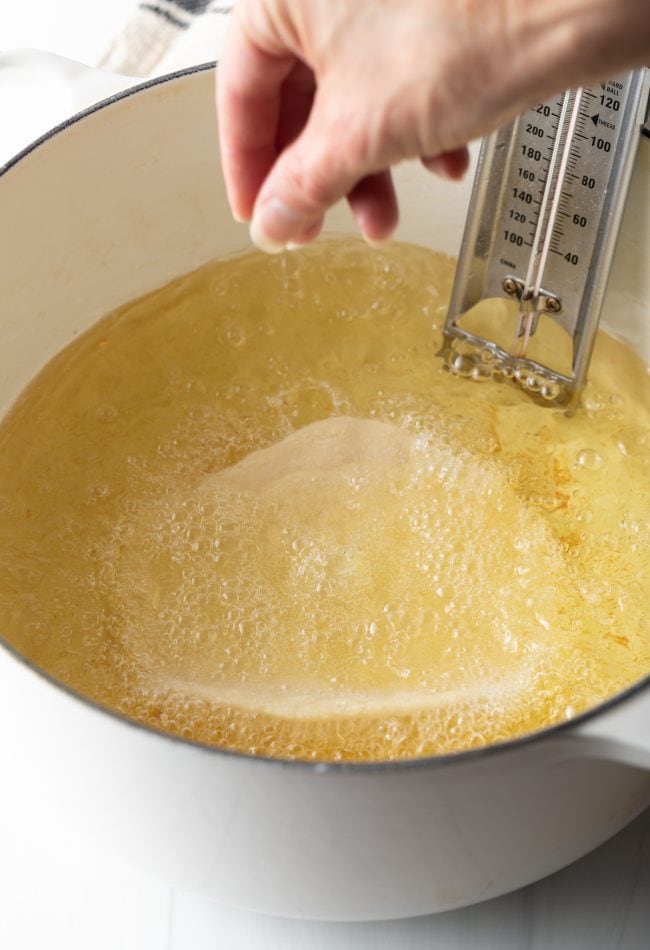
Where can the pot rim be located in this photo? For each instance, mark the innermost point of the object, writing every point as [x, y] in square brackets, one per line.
[432, 761]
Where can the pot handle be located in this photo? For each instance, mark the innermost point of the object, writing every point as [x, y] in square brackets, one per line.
[621, 732]
[39, 90]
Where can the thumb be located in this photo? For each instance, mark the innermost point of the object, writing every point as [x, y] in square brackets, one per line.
[318, 168]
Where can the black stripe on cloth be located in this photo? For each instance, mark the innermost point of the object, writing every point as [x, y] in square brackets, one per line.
[165, 14]
[193, 6]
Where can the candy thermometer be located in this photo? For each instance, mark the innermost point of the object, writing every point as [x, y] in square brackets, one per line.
[541, 230]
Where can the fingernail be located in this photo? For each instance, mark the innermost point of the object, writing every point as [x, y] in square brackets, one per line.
[263, 241]
[275, 223]
[240, 219]
[377, 243]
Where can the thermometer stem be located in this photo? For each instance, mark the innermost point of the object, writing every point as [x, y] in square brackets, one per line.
[528, 315]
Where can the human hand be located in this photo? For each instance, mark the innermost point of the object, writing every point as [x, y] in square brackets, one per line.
[317, 99]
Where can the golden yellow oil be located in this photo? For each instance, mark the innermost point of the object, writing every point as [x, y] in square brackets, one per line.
[252, 508]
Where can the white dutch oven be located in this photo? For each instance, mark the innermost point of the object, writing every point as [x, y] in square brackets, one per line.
[114, 203]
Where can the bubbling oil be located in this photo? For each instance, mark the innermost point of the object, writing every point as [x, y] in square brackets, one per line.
[253, 509]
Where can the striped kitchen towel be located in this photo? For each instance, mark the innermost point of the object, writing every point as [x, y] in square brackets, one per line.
[164, 35]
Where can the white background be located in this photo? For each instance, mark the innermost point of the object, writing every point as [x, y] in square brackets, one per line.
[57, 893]
[80, 29]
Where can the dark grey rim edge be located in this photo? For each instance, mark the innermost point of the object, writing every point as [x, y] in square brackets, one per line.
[437, 761]
[101, 104]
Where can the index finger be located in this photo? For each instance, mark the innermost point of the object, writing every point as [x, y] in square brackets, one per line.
[249, 94]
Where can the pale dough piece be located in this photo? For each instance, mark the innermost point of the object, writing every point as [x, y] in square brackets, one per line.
[350, 567]
[336, 446]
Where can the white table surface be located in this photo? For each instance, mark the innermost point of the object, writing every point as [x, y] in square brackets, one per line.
[58, 893]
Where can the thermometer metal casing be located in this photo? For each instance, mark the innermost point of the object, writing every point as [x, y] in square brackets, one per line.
[544, 216]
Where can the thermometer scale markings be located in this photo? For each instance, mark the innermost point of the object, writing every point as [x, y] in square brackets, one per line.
[544, 215]
[537, 120]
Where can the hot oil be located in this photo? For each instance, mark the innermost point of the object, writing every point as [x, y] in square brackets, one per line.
[413, 564]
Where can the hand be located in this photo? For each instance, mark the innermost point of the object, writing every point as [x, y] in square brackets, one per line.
[317, 99]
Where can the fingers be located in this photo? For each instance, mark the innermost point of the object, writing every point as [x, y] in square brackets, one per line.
[374, 205]
[315, 171]
[291, 150]
[451, 165]
[307, 236]
[249, 100]
[296, 100]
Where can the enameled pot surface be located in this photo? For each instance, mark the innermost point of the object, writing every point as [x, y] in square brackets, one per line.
[110, 206]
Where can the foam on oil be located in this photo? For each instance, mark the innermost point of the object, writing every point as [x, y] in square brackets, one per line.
[252, 508]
